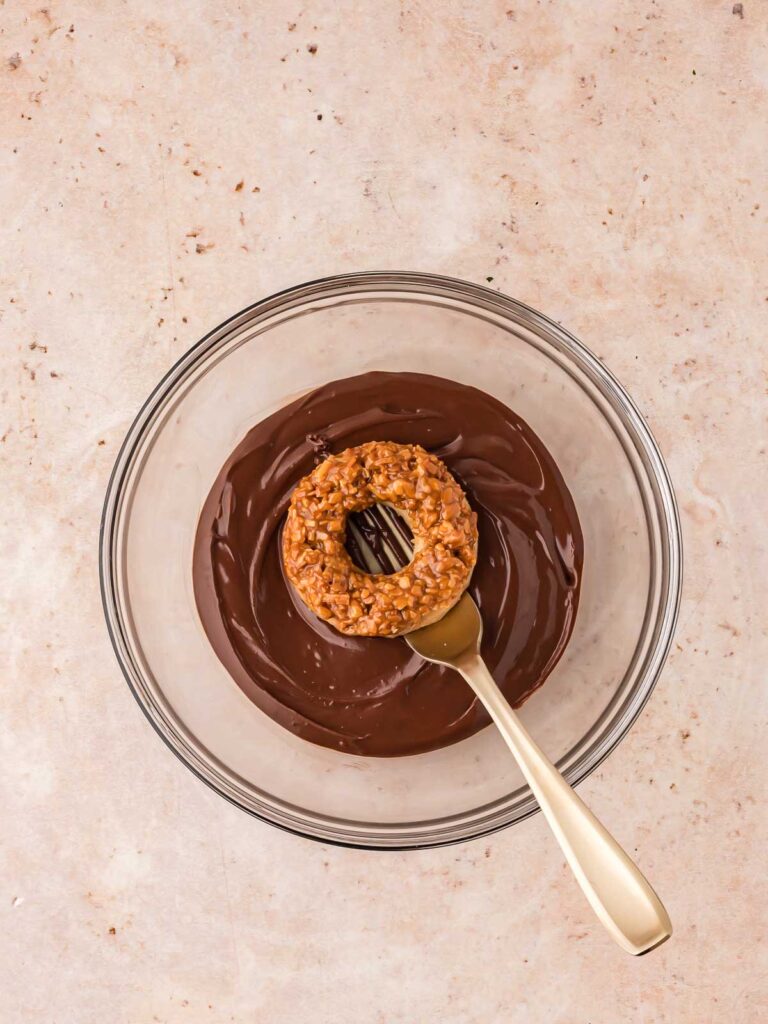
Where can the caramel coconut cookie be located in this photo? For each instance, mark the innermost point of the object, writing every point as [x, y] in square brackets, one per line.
[420, 488]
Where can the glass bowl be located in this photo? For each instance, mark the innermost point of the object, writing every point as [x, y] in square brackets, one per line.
[338, 327]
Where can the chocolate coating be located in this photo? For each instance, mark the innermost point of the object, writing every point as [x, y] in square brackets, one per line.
[375, 696]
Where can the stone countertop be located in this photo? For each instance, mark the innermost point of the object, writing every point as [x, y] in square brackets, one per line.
[164, 165]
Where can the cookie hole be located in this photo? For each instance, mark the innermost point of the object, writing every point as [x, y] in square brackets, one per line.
[379, 541]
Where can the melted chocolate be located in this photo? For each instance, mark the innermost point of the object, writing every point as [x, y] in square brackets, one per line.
[371, 695]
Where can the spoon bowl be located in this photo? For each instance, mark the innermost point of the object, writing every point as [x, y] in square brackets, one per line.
[456, 635]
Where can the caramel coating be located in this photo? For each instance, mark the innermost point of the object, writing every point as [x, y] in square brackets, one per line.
[421, 489]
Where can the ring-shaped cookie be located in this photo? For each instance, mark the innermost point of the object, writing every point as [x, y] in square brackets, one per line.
[421, 489]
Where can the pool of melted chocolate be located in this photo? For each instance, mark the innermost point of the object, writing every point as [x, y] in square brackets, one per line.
[375, 696]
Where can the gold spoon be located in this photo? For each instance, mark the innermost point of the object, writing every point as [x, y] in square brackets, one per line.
[617, 891]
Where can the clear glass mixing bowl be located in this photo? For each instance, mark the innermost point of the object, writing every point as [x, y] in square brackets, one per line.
[335, 328]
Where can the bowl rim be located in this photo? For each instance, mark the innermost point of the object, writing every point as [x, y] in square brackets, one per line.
[600, 376]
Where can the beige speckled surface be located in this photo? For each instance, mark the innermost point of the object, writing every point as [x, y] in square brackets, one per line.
[606, 164]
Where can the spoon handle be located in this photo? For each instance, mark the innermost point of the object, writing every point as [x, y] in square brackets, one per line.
[618, 892]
